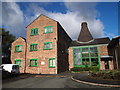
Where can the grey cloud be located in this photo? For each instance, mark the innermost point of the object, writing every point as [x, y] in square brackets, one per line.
[13, 19]
[77, 13]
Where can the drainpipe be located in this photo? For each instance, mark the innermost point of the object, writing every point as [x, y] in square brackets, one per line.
[25, 57]
[116, 58]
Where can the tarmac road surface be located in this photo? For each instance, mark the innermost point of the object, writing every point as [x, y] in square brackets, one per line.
[46, 82]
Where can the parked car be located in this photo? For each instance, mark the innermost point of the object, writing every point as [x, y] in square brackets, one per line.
[11, 68]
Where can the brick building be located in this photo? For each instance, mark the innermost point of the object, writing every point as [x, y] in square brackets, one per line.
[114, 50]
[48, 49]
[44, 51]
[89, 51]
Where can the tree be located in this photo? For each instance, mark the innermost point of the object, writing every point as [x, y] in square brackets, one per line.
[7, 39]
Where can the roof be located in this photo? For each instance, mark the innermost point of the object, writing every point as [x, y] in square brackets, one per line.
[96, 41]
[85, 33]
[40, 16]
[114, 41]
[18, 38]
[22, 38]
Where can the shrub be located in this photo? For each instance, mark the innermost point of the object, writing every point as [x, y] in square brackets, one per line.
[116, 75]
[86, 68]
[111, 74]
[94, 68]
[93, 74]
[100, 73]
[108, 75]
[77, 69]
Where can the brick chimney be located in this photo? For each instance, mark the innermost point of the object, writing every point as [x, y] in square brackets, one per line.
[85, 34]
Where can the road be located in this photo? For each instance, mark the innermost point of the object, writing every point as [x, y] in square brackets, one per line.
[46, 82]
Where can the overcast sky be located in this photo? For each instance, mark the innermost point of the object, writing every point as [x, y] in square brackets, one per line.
[102, 17]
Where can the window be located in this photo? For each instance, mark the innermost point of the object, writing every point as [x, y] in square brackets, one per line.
[48, 29]
[34, 31]
[52, 62]
[47, 45]
[18, 48]
[85, 61]
[33, 62]
[94, 61]
[33, 47]
[93, 52]
[77, 59]
[18, 61]
[86, 56]
[85, 52]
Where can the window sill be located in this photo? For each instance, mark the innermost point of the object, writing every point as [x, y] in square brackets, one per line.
[47, 48]
[33, 66]
[17, 51]
[47, 32]
[51, 67]
[33, 50]
[33, 34]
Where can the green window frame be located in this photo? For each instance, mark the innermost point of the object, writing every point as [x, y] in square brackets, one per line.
[48, 29]
[33, 62]
[52, 62]
[18, 61]
[94, 62]
[47, 46]
[18, 48]
[33, 47]
[87, 55]
[34, 31]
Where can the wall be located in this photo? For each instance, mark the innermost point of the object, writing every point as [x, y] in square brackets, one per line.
[62, 49]
[70, 58]
[114, 51]
[42, 55]
[19, 55]
[103, 51]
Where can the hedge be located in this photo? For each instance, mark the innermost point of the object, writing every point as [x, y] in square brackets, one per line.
[110, 74]
[78, 69]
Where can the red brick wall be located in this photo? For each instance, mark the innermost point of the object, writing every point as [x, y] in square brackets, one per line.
[19, 55]
[103, 51]
[70, 58]
[42, 55]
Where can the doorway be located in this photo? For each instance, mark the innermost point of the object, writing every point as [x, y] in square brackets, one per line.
[106, 64]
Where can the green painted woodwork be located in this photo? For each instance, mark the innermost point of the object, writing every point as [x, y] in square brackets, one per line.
[86, 55]
[33, 47]
[33, 62]
[47, 46]
[18, 48]
[52, 63]
[18, 61]
[48, 29]
[34, 31]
